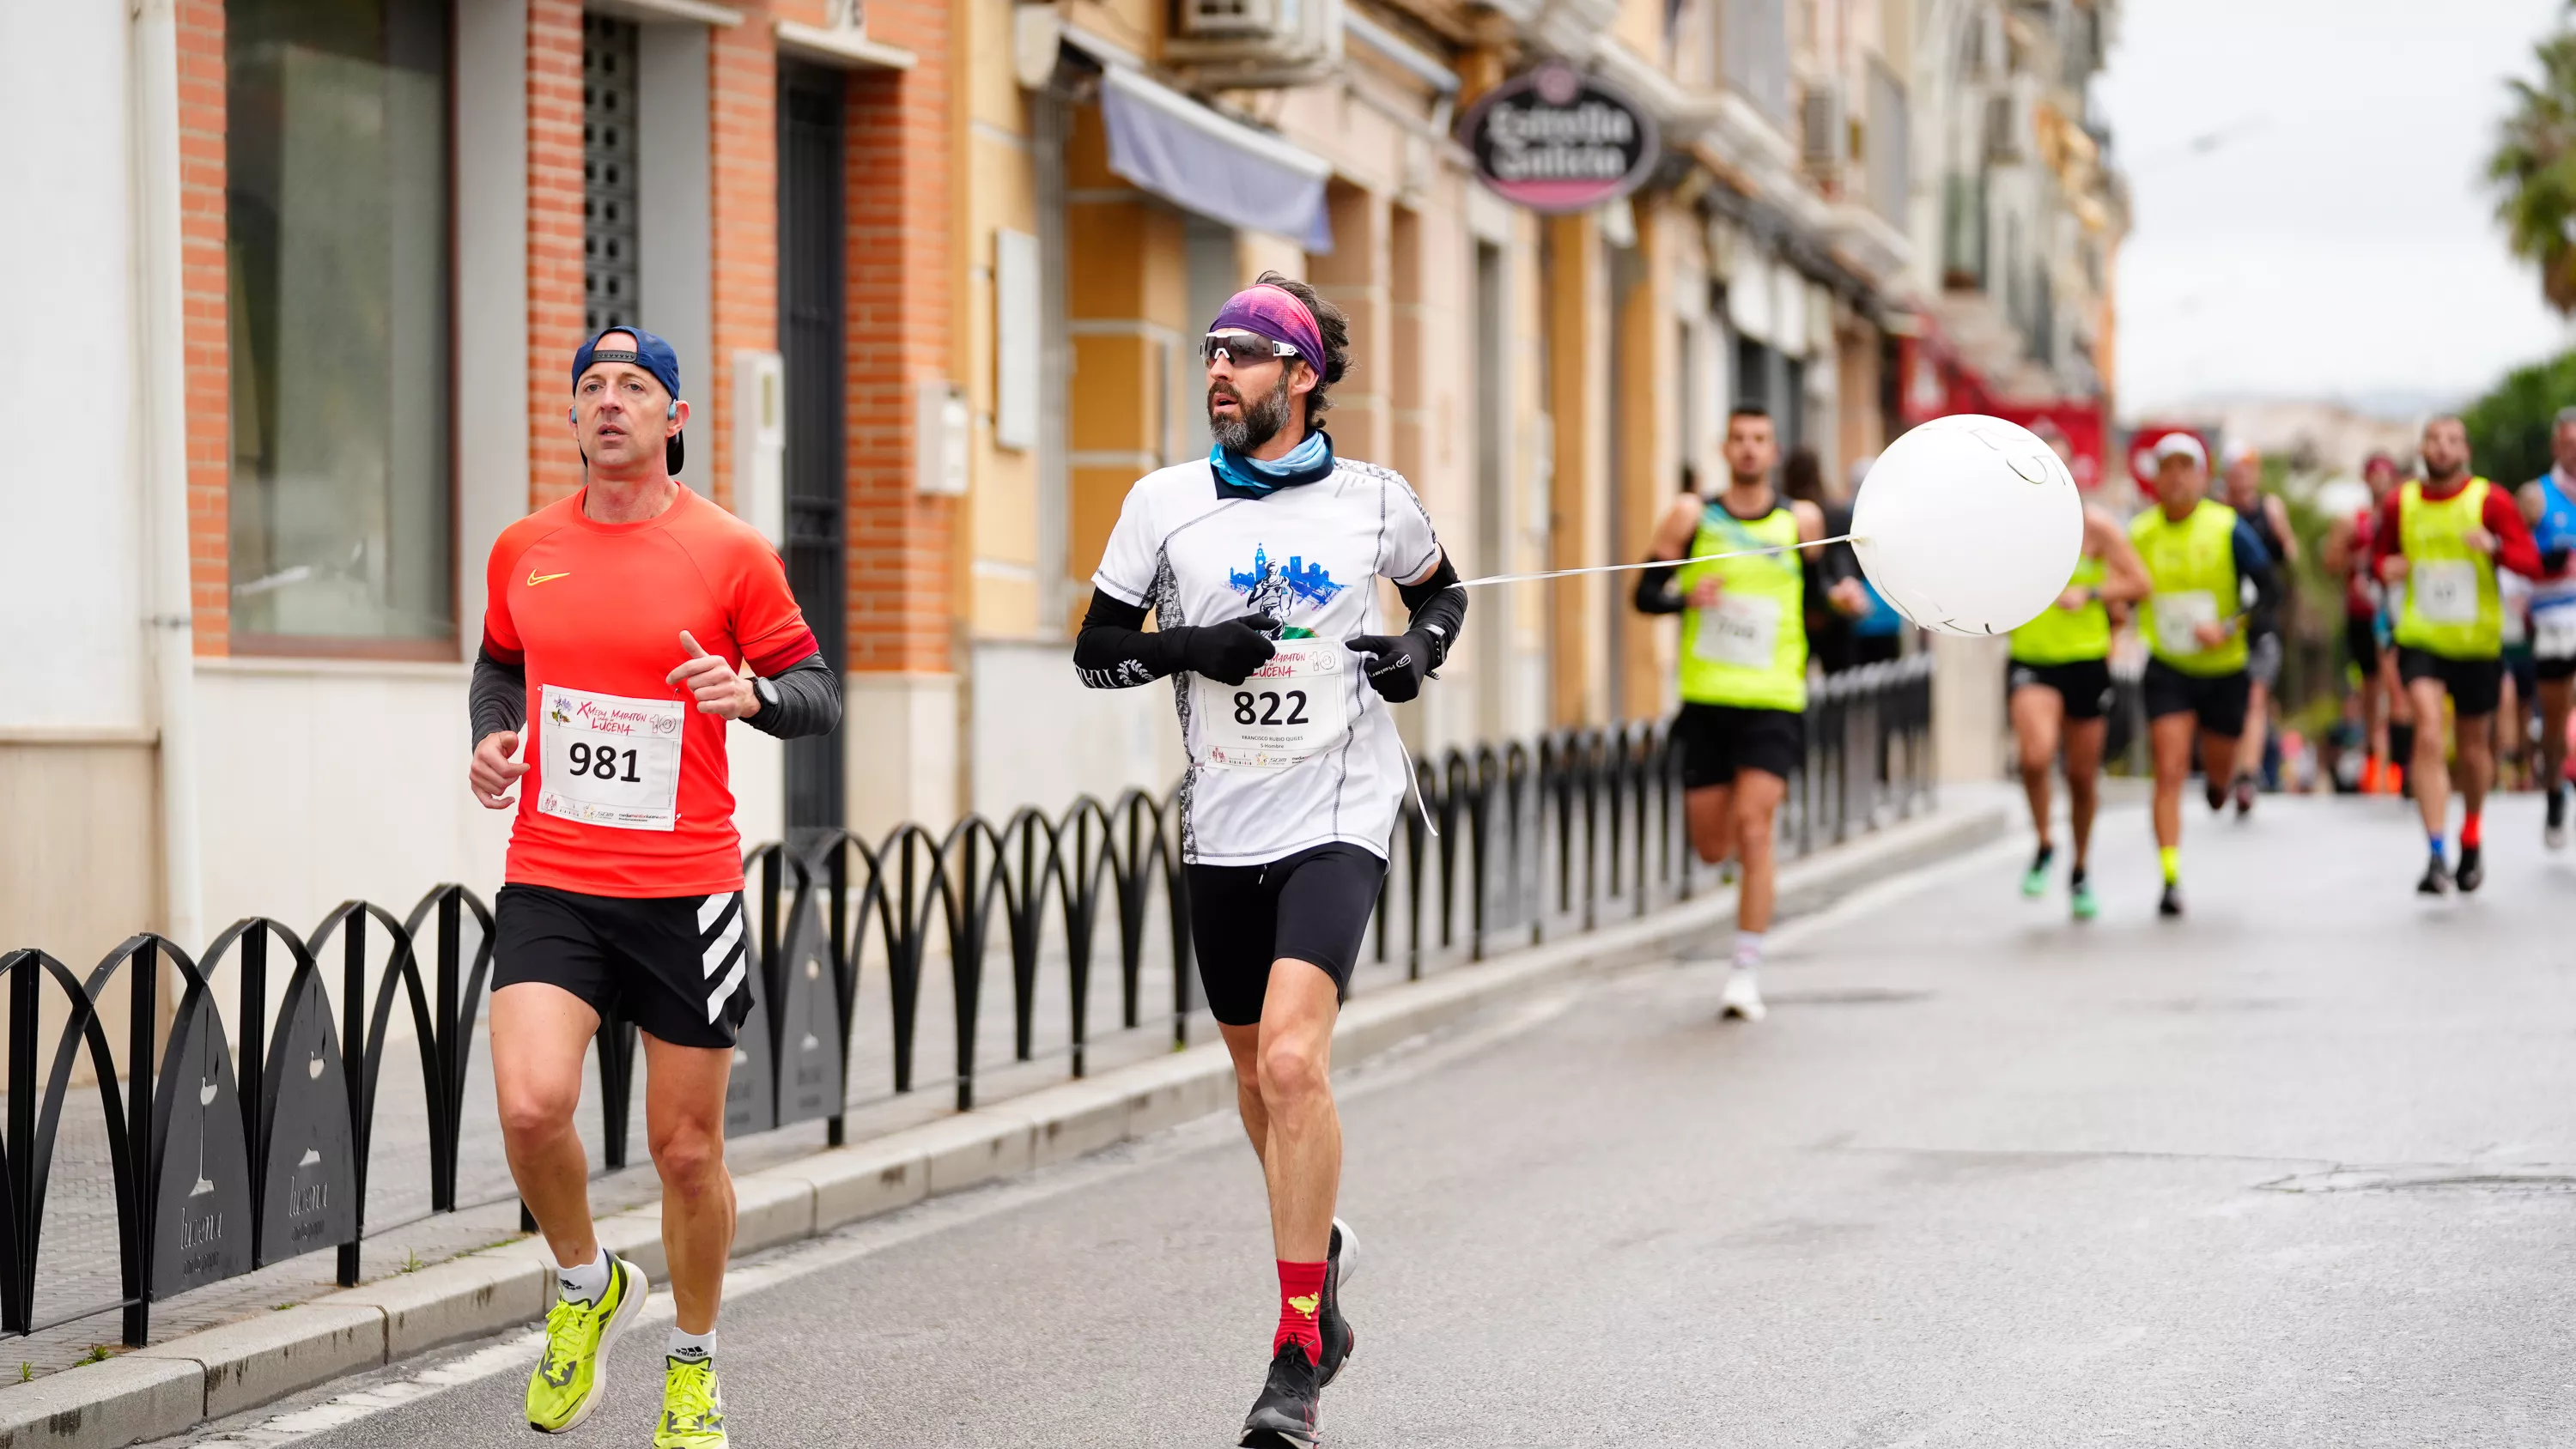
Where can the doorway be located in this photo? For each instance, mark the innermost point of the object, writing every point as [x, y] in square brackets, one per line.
[811, 312]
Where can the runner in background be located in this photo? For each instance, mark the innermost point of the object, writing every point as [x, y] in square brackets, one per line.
[1837, 599]
[2270, 519]
[2444, 538]
[1878, 631]
[2520, 683]
[2347, 552]
[2059, 687]
[2549, 506]
[2198, 556]
[1742, 726]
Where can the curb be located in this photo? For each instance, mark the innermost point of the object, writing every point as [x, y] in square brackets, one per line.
[169, 1388]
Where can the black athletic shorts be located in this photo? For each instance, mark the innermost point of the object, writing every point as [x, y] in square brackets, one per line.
[1313, 906]
[678, 967]
[1719, 739]
[2361, 641]
[2476, 685]
[2217, 700]
[2085, 684]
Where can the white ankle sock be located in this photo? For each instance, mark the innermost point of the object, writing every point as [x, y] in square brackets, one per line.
[584, 1284]
[1748, 950]
[695, 1347]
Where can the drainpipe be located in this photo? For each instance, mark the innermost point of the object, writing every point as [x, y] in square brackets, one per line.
[161, 380]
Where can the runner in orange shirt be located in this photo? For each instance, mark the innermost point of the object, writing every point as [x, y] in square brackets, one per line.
[626, 626]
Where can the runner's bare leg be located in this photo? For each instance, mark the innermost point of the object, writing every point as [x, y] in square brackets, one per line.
[540, 1034]
[684, 1105]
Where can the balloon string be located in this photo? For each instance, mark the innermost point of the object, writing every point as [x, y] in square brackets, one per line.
[1650, 563]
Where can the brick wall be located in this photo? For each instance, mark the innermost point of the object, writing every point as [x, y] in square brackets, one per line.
[203, 288]
[742, 140]
[554, 243]
[904, 272]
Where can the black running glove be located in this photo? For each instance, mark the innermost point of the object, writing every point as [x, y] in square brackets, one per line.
[1227, 652]
[1396, 663]
[2554, 559]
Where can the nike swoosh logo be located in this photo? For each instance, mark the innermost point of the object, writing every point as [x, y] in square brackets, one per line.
[535, 578]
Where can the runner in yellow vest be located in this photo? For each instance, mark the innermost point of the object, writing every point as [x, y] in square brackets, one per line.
[1742, 726]
[2198, 555]
[2058, 687]
[2442, 538]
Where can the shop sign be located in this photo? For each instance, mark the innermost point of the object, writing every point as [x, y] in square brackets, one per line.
[1553, 139]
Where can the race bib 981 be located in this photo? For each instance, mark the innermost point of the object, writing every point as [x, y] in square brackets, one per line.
[610, 760]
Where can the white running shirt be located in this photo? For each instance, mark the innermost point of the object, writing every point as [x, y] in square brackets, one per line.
[1308, 555]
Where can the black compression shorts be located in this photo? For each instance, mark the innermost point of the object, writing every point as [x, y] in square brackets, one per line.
[1719, 739]
[2475, 685]
[678, 967]
[2361, 641]
[1313, 906]
[2085, 684]
[2218, 701]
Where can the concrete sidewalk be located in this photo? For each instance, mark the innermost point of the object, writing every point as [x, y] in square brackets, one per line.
[166, 1388]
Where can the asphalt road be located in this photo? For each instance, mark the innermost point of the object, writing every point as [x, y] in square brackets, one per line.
[2296, 1171]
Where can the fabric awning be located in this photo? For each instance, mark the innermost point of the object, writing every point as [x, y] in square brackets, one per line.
[1220, 168]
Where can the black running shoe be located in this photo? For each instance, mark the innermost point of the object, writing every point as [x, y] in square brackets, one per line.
[2473, 869]
[2553, 833]
[1338, 1335]
[2437, 879]
[1284, 1416]
[2170, 903]
[2216, 795]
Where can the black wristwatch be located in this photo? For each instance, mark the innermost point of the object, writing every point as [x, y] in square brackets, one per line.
[767, 691]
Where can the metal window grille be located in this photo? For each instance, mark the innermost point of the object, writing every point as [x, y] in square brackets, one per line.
[608, 156]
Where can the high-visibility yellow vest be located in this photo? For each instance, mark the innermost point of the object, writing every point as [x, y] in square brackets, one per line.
[2452, 605]
[2069, 636]
[2192, 566]
[1751, 650]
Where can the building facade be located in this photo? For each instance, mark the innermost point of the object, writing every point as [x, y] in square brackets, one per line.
[291, 335]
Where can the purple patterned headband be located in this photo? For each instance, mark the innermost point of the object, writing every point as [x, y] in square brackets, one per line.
[1273, 312]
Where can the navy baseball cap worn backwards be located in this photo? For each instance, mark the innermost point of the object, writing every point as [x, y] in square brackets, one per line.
[650, 353]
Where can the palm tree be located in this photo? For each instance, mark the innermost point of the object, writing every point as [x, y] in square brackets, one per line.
[2534, 170]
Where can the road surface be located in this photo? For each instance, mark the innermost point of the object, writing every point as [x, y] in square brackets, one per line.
[2299, 1170]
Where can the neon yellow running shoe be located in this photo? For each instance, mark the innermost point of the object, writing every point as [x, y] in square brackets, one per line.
[574, 1372]
[692, 1406]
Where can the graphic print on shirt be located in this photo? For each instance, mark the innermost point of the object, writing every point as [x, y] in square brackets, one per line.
[1273, 590]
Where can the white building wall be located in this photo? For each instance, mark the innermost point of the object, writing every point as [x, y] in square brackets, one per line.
[1040, 738]
[71, 545]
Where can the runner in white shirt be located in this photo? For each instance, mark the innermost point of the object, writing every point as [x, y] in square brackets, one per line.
[2549, 506]
[1260, 564]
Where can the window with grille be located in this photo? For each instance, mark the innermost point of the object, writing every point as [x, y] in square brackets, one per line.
[608, 157]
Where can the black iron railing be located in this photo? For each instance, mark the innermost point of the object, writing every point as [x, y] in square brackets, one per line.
[229, 1151]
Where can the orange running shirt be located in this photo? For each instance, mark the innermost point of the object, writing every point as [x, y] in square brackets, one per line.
[595, 611]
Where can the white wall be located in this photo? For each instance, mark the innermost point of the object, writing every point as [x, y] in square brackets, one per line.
[71, 543]
[1040, 738]
[676, 237]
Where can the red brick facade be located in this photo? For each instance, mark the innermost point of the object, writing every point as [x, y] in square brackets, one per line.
[554, 242]
[905, 269]
[203, 290]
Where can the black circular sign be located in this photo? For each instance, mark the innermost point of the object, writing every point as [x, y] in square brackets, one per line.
[1554, 139]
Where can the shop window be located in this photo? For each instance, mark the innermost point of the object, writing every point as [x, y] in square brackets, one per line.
[337, 252]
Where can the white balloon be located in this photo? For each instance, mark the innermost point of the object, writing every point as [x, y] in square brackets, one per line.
[1969, 525]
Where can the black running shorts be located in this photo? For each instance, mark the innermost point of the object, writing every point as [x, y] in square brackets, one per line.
[2084, 684]
[2476, 685]
[1719, 739]
[678, 967]
[2217, 700]
[2361, 641]
[1313, 906]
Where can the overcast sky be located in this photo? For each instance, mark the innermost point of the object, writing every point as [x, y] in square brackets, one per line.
[2341, 242]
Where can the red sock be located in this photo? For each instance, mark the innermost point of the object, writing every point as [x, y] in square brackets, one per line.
[1301, 1293]
[2469, 829]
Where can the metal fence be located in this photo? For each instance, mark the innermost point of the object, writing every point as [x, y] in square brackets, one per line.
[226, 1152]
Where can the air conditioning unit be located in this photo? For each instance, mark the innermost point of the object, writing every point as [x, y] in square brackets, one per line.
[1245, 43]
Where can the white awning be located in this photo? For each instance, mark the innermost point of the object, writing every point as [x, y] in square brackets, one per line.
[1211, 164]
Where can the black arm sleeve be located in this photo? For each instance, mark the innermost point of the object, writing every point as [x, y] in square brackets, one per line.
[2255, 562]
[1114, 649]
[1836, 561]
[498, 698]
[1655, 591]
[809, 701]
[1437, 609]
